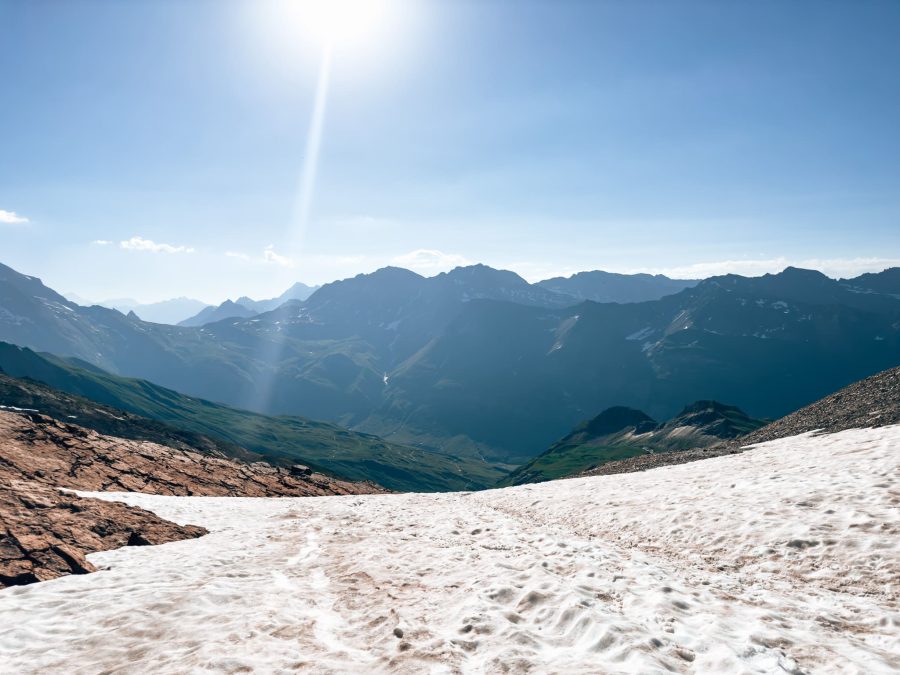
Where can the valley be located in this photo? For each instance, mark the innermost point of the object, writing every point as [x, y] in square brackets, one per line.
[477, 363]
[408, 337]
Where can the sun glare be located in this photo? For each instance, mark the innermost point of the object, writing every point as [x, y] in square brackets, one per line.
[340, 24]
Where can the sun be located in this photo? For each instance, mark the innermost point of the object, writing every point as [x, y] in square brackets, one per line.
[363, 36]
[340, 24]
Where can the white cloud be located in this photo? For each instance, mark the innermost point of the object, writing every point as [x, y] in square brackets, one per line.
[101, 242]
[141, 244]
[429, 261]
[12, 218]
[832, 267]
[269, 256]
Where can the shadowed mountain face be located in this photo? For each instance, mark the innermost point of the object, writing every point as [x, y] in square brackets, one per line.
[478, 362]
[619, 433]
[513, 376]
[887, 282]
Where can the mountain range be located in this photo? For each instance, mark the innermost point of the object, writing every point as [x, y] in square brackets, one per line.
[479, 363]
[245, 307]
[602, 286]
[190, 312]
[166, 311]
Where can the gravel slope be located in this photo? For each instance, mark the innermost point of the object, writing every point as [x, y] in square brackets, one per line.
[872, 402]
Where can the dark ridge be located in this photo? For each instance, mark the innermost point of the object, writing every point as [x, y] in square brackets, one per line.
[616, 419]
[702, 406]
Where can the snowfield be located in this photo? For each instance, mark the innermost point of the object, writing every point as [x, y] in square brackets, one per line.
[783, 559]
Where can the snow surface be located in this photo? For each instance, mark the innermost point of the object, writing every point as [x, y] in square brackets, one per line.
[781, 559]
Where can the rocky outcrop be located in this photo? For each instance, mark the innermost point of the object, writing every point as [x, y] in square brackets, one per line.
[46, 532]
[70, 456]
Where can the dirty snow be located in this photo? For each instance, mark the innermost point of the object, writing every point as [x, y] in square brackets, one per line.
[781, 559]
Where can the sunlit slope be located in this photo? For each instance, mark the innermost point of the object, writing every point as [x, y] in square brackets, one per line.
[282, 439]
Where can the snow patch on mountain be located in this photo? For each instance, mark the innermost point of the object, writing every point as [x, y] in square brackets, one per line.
[641, 334]
[782, 558]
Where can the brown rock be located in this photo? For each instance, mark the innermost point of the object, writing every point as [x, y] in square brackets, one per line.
[300, 470]
[46, 533]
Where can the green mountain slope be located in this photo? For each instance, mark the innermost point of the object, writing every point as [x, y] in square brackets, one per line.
[513, 379]
[619, 433]
[282, 439]
[478, 363]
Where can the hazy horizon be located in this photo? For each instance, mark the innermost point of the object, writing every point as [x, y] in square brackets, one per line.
[222, 150]
[779, 266]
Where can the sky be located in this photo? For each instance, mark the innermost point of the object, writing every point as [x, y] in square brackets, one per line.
[219, 148]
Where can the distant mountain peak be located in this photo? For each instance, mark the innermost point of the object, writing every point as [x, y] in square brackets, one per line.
[714, 419]
[708, 404]
[227, 310]
[391, 271]
[298, 286]
[615, 419]
[600, 286]
[791, 272]
[482, 270]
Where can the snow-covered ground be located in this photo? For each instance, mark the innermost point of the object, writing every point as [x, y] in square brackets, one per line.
[782, 559]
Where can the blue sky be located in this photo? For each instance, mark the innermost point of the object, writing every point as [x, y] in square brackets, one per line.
[544, 137]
